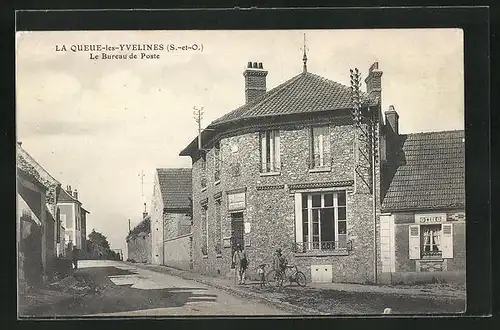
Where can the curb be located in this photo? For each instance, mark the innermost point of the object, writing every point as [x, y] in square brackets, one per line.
[285, 306]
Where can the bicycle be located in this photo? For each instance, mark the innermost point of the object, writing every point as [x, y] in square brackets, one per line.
[278, 279]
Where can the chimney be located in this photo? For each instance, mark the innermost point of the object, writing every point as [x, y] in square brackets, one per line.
[255, 81]
[392, 119]
[374, 82]
[75, 194]
[68, 189]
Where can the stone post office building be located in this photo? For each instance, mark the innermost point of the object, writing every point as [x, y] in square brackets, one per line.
[280, 172]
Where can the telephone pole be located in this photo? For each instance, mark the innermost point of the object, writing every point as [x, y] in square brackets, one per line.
[142, 175]
[198, 115]
[129, 226]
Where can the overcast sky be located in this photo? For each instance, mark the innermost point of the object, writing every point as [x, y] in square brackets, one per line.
[96, 124]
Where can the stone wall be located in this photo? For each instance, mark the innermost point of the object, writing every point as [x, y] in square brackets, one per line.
[176, 224]
[270, 202]
[156, 224]
[177, 252]
[139, 248]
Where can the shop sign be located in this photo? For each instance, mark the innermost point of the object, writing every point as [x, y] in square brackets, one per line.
[430, 218]
[236, 201]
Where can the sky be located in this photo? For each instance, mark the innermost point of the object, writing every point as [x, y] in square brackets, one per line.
[96, 124]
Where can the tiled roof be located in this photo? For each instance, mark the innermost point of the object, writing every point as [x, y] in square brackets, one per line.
[176, 187]
[27, 164]
[64, 196]
[142, 229]
[306, 92]
[431, 174]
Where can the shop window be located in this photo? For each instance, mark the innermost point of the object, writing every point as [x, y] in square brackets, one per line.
[324, 222]
[270, 151]
[430, 241]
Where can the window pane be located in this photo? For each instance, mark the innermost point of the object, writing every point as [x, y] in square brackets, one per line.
[327, 225]
[316, 200]
[315, 222]
[328, 199]
[342, 227]
[268, 150]
[305, 222]
[304, 201]
[342, 241]
[342, 213]
[341, 198]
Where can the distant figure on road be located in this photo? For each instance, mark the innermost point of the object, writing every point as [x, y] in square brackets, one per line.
[75, 257]
[241, 263]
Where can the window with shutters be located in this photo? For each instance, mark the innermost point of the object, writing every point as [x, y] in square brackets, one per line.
[270, 151]
[431, 241]
[319, 156]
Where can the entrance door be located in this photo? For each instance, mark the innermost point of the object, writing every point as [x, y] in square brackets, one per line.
[237, 229]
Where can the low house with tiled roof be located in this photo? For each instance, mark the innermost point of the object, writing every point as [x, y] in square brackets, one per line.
[279, 172]
[171, 217]
[423, 209]
[139, 240]
[74, 218]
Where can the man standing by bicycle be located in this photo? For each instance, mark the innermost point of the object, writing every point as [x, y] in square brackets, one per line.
[279, 263]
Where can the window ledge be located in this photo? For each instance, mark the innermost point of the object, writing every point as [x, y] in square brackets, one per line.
[205, 256]
[216, 182]
[270, 173]
[340, 252]
[424, 259]
[320, 169]
[218, 255]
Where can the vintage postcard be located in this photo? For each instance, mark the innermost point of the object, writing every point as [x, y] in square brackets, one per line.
[240, 172]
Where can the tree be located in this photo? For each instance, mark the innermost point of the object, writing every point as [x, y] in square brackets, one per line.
[97, 247]
[98, 239]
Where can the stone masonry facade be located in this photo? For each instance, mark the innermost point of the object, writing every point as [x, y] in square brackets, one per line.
[139, 248]
[270, 204]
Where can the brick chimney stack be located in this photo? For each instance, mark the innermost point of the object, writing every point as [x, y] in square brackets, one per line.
[392, 119]
[75, 194]
[255, 81]
[374, 82]
[69, 191]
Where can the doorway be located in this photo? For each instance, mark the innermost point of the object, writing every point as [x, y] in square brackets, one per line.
[237, 230]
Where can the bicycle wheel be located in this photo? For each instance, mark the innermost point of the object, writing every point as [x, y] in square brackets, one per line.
[273, 278]
[300, 278]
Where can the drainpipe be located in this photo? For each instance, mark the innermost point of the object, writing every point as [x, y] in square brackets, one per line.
[374, 204]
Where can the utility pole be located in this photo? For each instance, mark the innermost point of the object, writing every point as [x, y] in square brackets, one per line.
[142, 175]
[129, 226]
[198, 115]
[367, 173]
